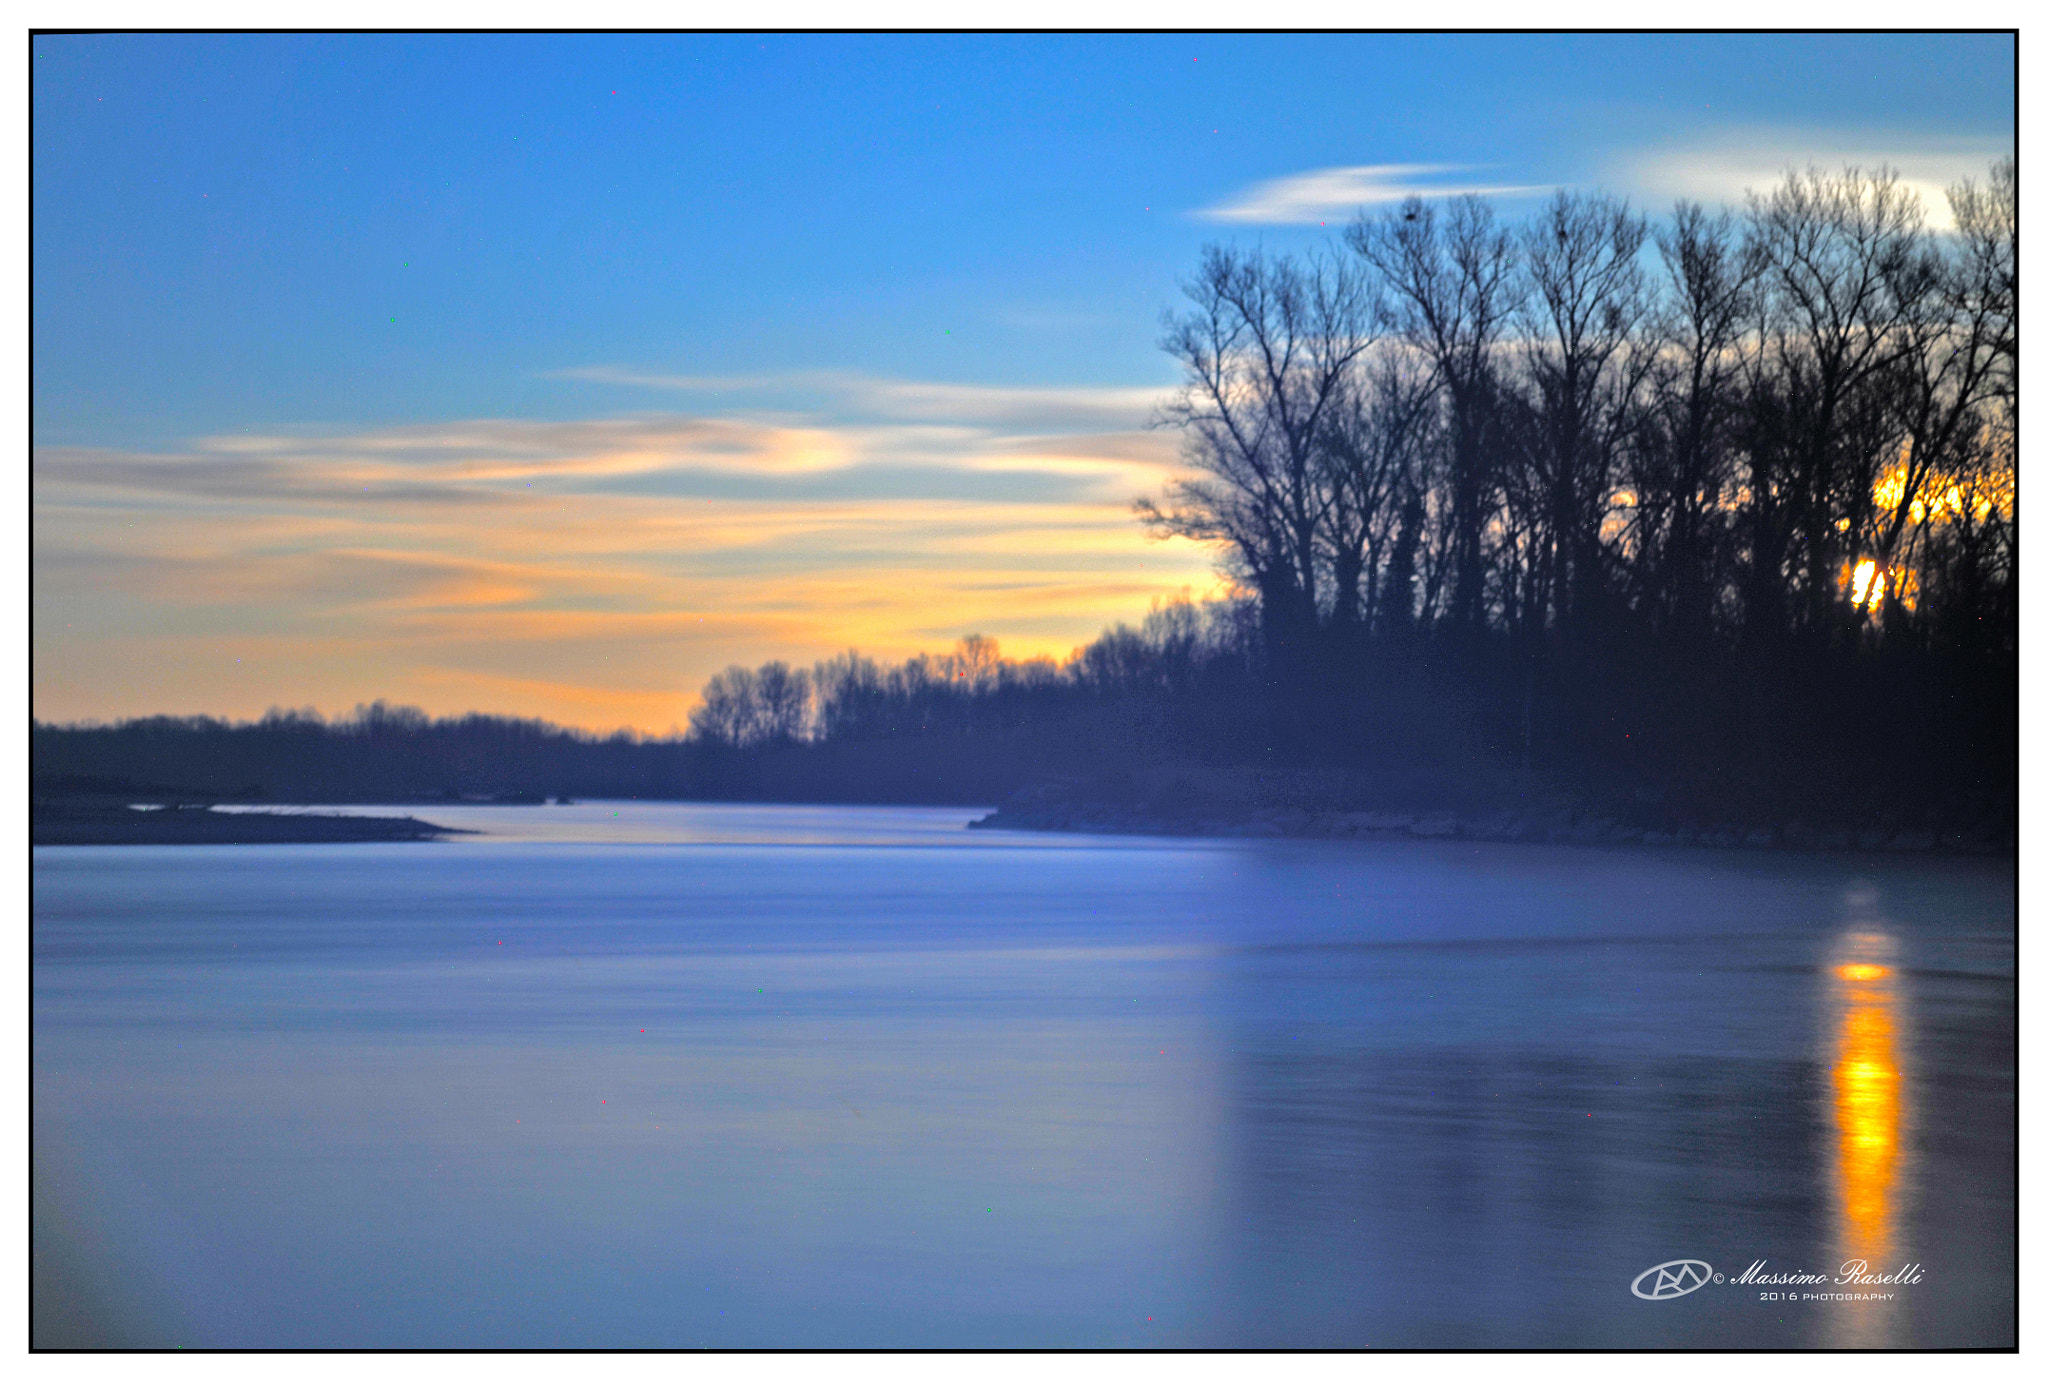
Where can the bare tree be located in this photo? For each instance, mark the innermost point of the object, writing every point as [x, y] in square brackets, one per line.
[729, 710]
[1988, 244]
[743, 709]
[1451, 288]
[1375, 452]
[1265, 353]
[852, 698]
[784, 698]
[977, 664]
[1838, 250]
[1582, 359]
[1955, 375]
[1684, 483]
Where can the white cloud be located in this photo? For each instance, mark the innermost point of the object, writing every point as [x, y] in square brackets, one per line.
[1724, 165]
[996, 406]
[1334, 194]
[1097, 443]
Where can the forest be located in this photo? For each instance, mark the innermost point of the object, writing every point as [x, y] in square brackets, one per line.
[1724, 505]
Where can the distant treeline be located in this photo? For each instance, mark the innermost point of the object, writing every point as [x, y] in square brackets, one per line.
[966, 727]
[379, 753]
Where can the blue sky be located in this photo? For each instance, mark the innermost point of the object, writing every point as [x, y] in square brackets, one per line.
[766, 279]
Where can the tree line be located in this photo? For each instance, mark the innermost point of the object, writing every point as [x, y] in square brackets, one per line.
[1727, 495]
[964, 727]
[1178, 648]
[379, 752]
[1793, 424]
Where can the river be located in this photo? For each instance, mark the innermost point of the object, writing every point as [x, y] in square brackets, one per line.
[637, 1075]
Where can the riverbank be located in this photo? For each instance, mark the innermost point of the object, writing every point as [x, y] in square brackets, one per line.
[76, 823]
[1489, 810]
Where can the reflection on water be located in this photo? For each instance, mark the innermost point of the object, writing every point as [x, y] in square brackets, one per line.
[1867, 1094]
[1869, 1098]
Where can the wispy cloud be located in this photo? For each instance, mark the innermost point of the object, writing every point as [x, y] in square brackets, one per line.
[1335, 194]
[517, 449]
[594, 572]
[1723, 165]
[863, 395]
[506, 464]
[992, 406]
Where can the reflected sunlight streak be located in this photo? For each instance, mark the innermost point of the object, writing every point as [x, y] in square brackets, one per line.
[1869, 1107]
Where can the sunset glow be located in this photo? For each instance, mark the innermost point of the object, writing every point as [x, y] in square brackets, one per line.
[591, 574]
[559, 375]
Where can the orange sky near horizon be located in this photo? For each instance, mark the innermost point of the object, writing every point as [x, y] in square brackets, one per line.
[592, 573]
[547, 375]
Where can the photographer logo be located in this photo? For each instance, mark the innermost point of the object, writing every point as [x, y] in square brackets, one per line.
[1667, 1280]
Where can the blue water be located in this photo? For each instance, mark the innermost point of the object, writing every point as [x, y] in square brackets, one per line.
[732, 1077]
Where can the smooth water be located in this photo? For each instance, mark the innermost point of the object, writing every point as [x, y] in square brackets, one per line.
[728, 1076]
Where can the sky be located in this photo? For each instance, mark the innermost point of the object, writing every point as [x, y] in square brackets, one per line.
[547, 375]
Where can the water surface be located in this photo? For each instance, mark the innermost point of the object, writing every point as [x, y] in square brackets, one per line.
[720, 1076]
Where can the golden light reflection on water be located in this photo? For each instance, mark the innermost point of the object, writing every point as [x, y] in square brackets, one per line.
[1867, 1114]
[1867, 1014]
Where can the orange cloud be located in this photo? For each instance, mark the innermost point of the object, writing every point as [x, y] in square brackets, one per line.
[594, 572]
